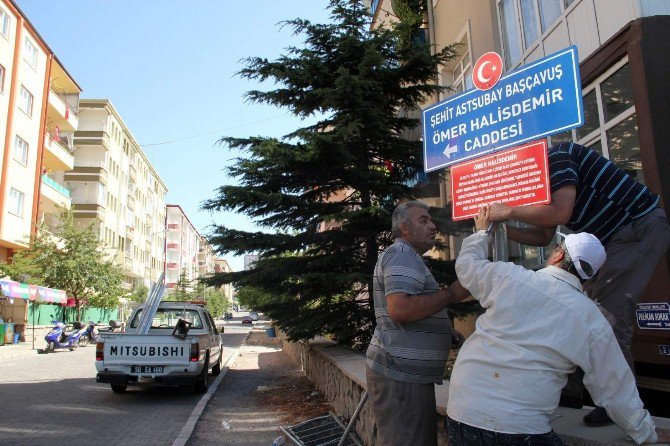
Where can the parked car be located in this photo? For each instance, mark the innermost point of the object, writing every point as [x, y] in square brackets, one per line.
[253, 315]
[247, 320]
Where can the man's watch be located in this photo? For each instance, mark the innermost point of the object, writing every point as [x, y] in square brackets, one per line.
[489, 231]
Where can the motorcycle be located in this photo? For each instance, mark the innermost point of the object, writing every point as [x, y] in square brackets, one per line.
[58, 337]
[90, 334]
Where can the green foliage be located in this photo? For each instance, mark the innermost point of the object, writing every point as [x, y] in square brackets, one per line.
[139, 293]
[73, 260]
[352, 166]
[216, 302]
[183, 289]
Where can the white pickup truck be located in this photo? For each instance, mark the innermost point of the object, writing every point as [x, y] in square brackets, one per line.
[163, 355]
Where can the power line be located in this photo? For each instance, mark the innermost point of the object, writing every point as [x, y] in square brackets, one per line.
[172, 141]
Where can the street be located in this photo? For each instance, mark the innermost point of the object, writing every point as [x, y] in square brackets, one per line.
[53, 399]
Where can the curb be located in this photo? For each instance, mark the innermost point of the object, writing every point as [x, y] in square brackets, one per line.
[188, 428]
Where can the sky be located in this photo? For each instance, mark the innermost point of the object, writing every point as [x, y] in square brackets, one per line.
[169, 68]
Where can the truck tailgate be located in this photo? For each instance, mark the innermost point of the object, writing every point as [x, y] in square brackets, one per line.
[147, 349]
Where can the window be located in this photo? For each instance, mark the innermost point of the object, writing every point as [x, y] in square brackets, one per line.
[4, 23]
[522, 22]
[2, 79]
[102, 192]
[16, 202]
[26, 101]
[30, 53]
[610, 122]
[21, 150]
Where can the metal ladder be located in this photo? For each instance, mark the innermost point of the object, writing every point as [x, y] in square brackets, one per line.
[151, 305]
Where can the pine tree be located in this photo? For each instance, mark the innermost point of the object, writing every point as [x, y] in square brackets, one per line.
[328, 189]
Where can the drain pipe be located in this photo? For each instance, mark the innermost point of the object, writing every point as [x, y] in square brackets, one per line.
[431, 38]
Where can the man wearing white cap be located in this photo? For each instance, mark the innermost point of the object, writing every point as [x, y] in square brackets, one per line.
[537, 328]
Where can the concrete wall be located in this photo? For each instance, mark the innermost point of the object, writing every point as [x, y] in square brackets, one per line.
[341, 388]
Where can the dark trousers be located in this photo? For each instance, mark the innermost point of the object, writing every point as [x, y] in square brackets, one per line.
[404, 413]
[461, 434]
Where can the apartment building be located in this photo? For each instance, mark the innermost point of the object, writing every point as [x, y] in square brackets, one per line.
[38, 112]
[182, 248]
[222, 266]
[206, 258]
[114, 187]
[623, 47]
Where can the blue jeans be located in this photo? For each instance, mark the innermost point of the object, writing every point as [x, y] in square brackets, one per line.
[460, 434]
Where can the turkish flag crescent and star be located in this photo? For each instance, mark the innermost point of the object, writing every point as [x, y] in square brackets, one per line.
[487, 71]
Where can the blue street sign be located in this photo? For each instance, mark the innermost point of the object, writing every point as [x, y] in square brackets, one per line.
[654, 316]
[537, 100]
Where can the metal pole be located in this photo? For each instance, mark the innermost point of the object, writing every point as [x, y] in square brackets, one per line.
[500, 253]
[33, 307]
[354, 417]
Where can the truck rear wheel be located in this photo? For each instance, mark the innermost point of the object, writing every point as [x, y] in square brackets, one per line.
[216, 370]
[202, 380]
[119, 388]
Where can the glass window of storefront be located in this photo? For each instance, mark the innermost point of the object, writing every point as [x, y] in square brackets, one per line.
[610, 128]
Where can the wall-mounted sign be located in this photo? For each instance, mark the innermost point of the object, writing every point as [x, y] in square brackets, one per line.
[653, 316]
[516, 177]
[664, 350]
[537, 100]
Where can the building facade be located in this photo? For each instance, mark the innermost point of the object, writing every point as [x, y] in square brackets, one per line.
[115, 188]
[222, 266]
[181, 249]
[622, 46]
[38, 112]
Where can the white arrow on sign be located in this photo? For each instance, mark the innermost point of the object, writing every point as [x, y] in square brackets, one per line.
[449, 150]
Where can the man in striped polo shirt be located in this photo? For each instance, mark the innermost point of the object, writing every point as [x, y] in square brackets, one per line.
[589, 193]
[410, 344]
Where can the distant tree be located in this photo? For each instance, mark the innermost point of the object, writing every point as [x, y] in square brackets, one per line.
[72, 259]
[183, 288]
[216, 302]
[139, 293]
[327, 190]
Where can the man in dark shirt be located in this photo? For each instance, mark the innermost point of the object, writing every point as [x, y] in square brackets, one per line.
[591, 194]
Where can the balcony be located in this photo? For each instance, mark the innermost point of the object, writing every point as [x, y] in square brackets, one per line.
[57, 156]
[173, 246]
[87, 170]
[173, 226]
[86, 207]
[131, 203]
[61, 113]
[53, 195]
[132, 172]
[172, 265]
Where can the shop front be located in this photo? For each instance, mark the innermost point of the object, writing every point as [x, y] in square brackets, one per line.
[16, 299]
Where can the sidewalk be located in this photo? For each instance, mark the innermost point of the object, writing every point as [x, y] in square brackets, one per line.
[263, 389]
[22, 349]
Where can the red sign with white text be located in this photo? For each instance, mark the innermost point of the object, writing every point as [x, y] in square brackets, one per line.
[516, 177]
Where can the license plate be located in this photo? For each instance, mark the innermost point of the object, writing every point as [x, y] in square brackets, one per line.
[146, 369]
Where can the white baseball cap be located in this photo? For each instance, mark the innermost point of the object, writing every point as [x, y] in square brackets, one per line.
[585, 248]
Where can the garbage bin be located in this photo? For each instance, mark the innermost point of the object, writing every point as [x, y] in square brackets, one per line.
[271, 332]
[16, 338]
[2, 334]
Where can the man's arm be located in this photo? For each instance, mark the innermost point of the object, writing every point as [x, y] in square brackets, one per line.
[556, 213]
[404, 308]
[611, 384]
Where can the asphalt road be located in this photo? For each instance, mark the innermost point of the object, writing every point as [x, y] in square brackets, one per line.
[53, 399]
